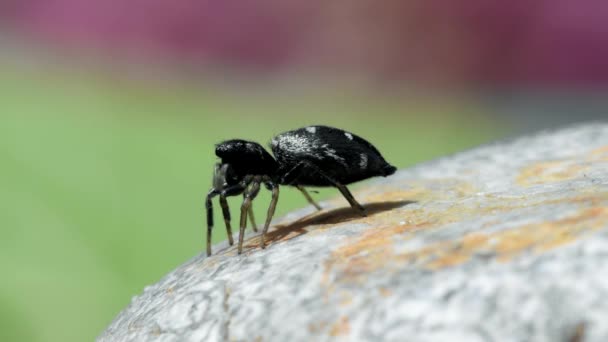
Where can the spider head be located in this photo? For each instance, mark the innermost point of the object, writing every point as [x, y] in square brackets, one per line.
[224, 176]
[243, 158]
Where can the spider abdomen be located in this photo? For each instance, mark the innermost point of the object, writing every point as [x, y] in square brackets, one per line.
[340, 155]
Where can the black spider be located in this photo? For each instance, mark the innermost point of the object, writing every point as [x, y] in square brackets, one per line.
[316, 156]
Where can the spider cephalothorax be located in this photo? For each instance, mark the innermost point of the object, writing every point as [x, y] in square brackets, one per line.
[317, 156]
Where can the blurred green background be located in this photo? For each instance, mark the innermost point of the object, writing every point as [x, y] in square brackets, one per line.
[104, 179]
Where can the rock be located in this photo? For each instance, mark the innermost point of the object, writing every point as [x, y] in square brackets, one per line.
[506, 242]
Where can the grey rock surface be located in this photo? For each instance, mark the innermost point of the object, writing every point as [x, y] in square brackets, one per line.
[506, 242]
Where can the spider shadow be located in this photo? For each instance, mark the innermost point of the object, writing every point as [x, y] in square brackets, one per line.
[339, 215]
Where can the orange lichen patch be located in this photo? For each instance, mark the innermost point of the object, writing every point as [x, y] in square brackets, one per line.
[514, 241]
[375, 249]
[419, 191]
[390, 194]
[599, 154]
[473, 241]
[463, 189]
[448, 260]
[384, 292]
[346, 299]
[340, 328]
[451, 254]
[561, 170]
[537, 237]
[372, 249]
[317, 327]
[551, 171]
[378, 242]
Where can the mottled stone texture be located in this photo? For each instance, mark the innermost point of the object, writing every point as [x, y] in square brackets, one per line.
[506, 242]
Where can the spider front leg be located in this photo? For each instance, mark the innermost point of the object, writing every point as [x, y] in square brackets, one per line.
[252, 218]
[273, 204]
[209, 205]
[226, 213]
[250, 194]
[229, 191]
[227, 218]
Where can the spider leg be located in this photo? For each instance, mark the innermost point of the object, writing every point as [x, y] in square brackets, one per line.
[273, 204]
[229, 191]
[292, 175]
[212, 193]
[226, 213]
[308, 198]
[250, 212]
[249, 196]
[351, 200]
[252, 220]
[343, 189]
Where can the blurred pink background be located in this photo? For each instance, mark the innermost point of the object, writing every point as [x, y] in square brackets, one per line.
[474, 42]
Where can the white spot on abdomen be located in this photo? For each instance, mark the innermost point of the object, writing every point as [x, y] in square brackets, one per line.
[293, 143]
[348, 135]
[363, 161]
[331, 153]
[311, 129]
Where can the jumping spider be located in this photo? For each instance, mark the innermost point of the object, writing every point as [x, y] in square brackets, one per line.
[317, 156]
